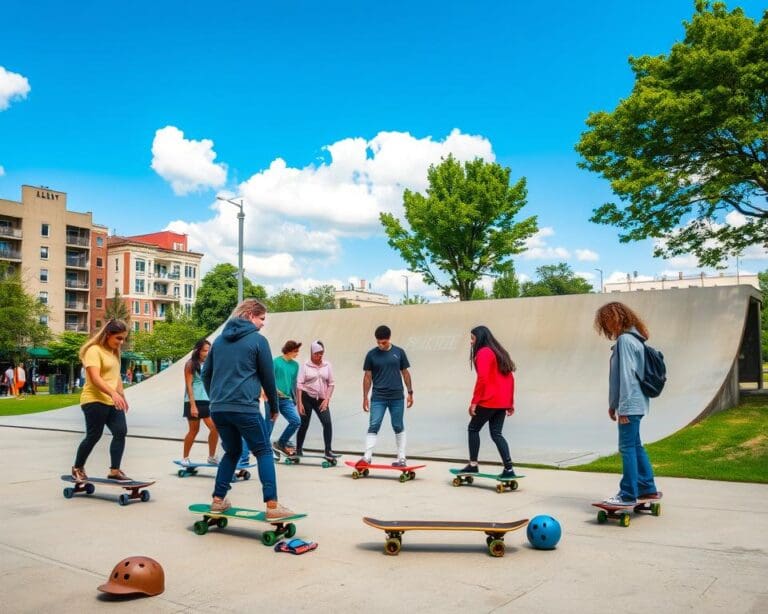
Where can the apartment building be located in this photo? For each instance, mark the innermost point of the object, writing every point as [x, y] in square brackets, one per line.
[153, 273]
[702, 280]
[61, 255]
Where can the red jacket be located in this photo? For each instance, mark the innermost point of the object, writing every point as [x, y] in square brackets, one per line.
[492, 389]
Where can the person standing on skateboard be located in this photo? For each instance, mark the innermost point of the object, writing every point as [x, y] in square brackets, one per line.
[386, 368]
[626, 399]
[102, 399]
[286, 372]
[196, 404]
[316, 385]
[238, 366]
[493, 398]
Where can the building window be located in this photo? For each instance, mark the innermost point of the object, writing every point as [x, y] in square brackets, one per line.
[43, 252]
[99, 241]
[44, 275]
[43, 297]
[189, 271]
[136, 307]
[100, 263]
[98, 323]
[146, 326]
[141, 266]
[139, 286]
[136, 327]
[44, 320]
[188, 309]
[98, 303]
[179, 247]
[99, 282]
[146, 307]
[117, 264]
[45, 230]
[176, 291]
[188, 291]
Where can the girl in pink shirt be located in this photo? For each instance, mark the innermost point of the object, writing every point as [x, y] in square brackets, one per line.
[493, 398]
[315, 383]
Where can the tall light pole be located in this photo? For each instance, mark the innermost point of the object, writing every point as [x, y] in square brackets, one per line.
[602, 289]
[406, 287]
[240, 224]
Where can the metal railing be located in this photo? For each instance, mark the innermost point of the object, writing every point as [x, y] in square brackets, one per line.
[76, 305]
[76, 283]
[77, 262]
[78, 240]
[10, 253]
[78, 328]
[5, 231]
[167, 275]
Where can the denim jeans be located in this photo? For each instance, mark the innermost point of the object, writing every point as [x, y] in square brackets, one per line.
[396, 409]
[638, 473]
[288, 410]
[234, 428]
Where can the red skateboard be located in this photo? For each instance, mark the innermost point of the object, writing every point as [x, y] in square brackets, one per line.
[406, 473]
[622, 512]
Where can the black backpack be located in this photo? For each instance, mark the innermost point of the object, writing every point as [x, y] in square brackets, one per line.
[655, 375]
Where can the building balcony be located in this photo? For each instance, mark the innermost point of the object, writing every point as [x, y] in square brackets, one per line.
[165, 296]
[76, 327]
[76, 284]
[76, 306]
[166, 275]
[77, 263]
[10, 254]
[13, 233]
[78, 240]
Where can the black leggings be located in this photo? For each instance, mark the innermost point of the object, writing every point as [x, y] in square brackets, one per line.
[495, 420]
[97, 416]
[311, 404]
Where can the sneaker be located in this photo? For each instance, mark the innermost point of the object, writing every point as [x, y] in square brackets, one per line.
[400, 462]
[220, 505]
[185, 462]
[212, 460]
[508, 474]
[278, 512]
[78, 474]
[362, 463]
[278, 447]
[652, 495]
[331, 455]
[470, 469]
[617, 500]
[118, 475]
[299, 453]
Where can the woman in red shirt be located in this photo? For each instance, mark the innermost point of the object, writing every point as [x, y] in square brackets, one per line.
[493, 398]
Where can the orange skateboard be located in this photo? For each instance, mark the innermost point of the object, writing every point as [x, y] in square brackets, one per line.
[406, 473]
[622, 512]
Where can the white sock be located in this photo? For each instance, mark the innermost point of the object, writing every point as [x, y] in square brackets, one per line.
[370, 444]
[400, 439]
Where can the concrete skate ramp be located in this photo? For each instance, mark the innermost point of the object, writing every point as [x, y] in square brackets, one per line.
[562, 372]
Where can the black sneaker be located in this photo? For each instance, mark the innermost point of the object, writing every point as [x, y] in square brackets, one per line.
[331, 455]
[470, 469]
[508, 474]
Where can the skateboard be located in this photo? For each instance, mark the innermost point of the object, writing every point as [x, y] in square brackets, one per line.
[494, 531]
[295, 460]
[621, 512]
[133, 487]
[406, 473]
[283, 527]
[240, 472]
[468, 478]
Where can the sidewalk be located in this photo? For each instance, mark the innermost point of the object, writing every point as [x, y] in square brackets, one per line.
[707, 552]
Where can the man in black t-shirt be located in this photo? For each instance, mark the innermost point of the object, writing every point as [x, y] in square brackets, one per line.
[385, 369]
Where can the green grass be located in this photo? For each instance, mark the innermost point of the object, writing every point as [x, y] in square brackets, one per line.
[37, 403]
[731, 445]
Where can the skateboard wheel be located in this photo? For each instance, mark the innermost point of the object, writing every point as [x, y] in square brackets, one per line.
[457, 481]
[325, 464]
[90, 489]
[123, 499]
[295, 461]
[333, 462]
[624, 520]
[246, 475]
[404, 477]
[69, 492]
[513, 485]
[655, 509]
[496, 547]
[181, 473]
[268, 538]
[221, 523]
[201, 527]
[470, 479]
[412, 475]
[355, 475]
[392, 546]
[290, 530]
[499, 488]
[365, 473]
[287, 460]
[602, 517]
[145, 495]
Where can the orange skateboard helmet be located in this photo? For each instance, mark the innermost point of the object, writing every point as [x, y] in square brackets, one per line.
[136, 574]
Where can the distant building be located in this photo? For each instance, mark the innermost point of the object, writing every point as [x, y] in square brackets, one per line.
[153, 274]
[682, 281]
[61, 255]
[360, 296]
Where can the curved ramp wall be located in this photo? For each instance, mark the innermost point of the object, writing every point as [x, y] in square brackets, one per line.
[561, 379]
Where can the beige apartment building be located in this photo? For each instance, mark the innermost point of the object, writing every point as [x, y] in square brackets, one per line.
[361, 296]
[61, 255]
[153, 273]
[701, 280]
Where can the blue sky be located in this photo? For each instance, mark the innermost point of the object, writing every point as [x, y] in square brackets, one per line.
[318, 114]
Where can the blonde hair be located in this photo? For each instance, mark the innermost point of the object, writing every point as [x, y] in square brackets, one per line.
[614, 318]
[250, 307]
[112, 327]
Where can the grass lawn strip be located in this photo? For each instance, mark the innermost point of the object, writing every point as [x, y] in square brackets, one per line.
[33, 404]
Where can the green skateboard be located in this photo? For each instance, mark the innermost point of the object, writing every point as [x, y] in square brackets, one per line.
[503, 483]
[295, 460]
[283, 526]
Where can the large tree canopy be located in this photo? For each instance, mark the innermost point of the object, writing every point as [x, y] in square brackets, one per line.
[555, 279]
[20, 316]
[464, 227]
[689, 145]
[217, 296]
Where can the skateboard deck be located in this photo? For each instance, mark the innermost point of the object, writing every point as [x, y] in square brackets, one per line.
[283, 526]
[241, 471]
[295, 460]
[622, 512]
[468, 477]
[406, 473]
[494, 531]
[133, 487]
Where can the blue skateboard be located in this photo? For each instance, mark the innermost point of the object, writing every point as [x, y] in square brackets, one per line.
[241, 472]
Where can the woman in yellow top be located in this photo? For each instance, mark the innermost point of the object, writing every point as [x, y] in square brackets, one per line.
[102, 400]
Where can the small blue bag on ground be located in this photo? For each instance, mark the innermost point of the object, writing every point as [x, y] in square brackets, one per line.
[295, 546]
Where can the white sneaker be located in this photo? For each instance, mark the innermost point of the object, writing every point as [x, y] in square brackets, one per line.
[212, 460]
[185, 462]
[617, 500]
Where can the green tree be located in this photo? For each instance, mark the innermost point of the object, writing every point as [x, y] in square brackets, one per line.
[415, 299]
[20, 315]
[479, 294]
[321, 297]
[555, 279]
[217, 296]
[507, 285]
[763, 277]
[65, 351]
[116, 309]
[169, 340]
[689, 144]
[288, 299]
[463, 227]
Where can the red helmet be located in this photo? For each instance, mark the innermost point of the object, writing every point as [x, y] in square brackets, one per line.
[136, 574]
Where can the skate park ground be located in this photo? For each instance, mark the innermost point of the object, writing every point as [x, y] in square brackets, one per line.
[708, 551]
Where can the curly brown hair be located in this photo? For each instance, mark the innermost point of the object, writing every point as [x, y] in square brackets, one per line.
[614, 318]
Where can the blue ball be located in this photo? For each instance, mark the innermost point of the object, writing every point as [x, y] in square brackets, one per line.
[544, 532]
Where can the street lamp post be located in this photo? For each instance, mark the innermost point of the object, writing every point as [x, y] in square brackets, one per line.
[406, 287]
[602, 289]
[240, 225]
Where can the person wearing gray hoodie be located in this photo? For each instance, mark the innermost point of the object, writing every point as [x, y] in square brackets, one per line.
[238, 366]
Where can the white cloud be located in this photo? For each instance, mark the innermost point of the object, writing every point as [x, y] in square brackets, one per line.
[186, 164]
[585, 275]
[538, 249]
[2, 171]
[13, 86]
[587, 255]
[618, 277]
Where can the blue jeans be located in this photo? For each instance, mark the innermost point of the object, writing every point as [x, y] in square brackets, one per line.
[396, 409]
[638, 473]
[288, 410]
[234, 428]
